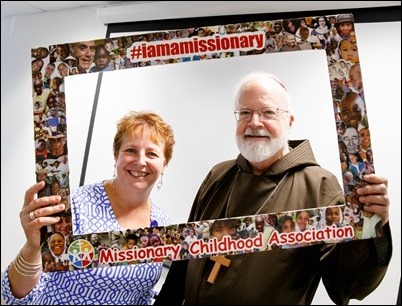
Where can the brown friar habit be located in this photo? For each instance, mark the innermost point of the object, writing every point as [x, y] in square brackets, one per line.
[281, 276]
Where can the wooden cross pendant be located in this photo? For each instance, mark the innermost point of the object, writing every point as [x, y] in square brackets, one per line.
[219, 261]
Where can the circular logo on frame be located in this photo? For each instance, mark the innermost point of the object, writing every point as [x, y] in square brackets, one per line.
[81, 253]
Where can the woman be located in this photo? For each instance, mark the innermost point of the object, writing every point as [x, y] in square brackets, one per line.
[37, 65]
[57, 246]
[143, 146]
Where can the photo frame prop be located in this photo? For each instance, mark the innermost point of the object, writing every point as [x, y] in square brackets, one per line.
[53, 65]
[201, 239]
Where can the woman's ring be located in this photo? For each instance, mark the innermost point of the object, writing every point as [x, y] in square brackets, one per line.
[32, 216]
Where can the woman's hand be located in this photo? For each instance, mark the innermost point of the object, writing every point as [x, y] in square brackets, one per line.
[37, 212]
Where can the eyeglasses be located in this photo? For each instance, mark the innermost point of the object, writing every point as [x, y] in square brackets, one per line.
[269, 113]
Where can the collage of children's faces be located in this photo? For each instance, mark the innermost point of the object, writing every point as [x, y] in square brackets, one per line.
[335, 34]
[202, 239]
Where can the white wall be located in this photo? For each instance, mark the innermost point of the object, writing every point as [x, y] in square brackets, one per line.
[198, 103]
[379, 51]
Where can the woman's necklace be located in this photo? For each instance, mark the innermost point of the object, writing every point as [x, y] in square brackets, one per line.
[269, 197]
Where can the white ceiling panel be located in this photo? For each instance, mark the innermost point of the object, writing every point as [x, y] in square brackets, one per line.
[185, 9]
[21, 8]
[16, 8]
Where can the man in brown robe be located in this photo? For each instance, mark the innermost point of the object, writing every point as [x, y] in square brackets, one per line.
[270, 175]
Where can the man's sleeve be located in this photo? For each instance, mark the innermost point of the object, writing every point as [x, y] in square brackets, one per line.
[354, 269]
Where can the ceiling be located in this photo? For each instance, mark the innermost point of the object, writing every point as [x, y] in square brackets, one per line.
[11, 9]
[20, 8]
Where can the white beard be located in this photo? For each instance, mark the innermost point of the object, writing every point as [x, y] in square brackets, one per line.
[258, 151]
